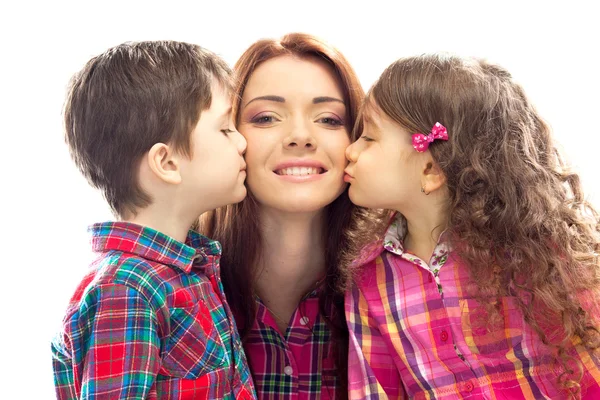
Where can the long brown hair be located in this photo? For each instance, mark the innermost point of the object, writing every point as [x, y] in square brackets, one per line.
[518, 216]
[237, 226]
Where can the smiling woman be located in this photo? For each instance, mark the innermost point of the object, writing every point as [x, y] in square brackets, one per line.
[297, 133]
[286, 246]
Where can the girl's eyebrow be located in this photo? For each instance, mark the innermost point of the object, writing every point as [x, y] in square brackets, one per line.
[274, 98]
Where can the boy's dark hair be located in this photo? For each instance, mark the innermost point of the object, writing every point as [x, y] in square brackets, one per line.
[129, 98]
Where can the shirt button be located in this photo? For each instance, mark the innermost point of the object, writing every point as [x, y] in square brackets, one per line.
[288, 370]
[469, 387]
[480, 331]
[303, 320]
[444, 336]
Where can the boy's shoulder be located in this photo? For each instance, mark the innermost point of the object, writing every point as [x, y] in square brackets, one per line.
[118, 268]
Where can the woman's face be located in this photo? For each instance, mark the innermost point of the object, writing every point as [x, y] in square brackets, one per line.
[293, 117]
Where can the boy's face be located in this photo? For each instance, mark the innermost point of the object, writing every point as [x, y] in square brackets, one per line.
[215, 174]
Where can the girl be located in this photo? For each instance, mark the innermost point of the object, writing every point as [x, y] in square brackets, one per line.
[486, 282]
[296, 103]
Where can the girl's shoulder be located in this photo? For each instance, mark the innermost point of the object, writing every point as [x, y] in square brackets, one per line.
[368, 253]
[364, 267]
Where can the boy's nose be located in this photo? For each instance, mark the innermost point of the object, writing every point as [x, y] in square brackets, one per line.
[242, 144]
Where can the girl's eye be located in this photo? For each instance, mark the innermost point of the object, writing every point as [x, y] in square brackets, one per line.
[226, 132]
[263, 119]
[331, 121]
[366, 138]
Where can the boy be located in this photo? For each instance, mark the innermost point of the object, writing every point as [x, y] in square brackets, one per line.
[149, 124]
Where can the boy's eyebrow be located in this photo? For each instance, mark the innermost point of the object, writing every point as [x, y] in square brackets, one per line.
[270, 97]
[225, 113]
[326, 99]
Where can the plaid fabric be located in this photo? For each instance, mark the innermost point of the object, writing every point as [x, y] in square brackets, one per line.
[415, 333]
[150, 321]
[298, 365]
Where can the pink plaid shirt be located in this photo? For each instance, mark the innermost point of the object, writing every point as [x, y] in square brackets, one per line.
[297, 365]
[414, 332]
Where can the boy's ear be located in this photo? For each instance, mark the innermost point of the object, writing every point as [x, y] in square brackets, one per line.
[164, 163]
[432, 177]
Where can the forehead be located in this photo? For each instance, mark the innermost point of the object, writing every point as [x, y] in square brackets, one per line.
[372, 115]
[220, 104]
[291, 76]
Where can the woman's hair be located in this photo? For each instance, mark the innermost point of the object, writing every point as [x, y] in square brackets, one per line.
[518, 217]
[237, 226]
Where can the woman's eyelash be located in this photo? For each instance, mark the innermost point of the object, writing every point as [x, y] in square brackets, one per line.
[262, 119]
[366, 138]
[332, 121]
[268, 119]
[226, 131]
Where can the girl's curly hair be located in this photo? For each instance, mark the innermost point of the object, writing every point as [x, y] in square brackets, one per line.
[518, 217]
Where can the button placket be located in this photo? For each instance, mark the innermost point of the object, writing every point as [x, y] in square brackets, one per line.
[444, 336]
[469, 386]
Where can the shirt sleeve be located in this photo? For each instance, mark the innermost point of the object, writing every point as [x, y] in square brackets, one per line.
[372, 373]
[116, 344]
[590, 381]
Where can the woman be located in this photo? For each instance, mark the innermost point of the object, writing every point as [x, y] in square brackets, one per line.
[286, 246]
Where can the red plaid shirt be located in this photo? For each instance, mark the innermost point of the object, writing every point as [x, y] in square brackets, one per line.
[297, 365]
[150, 321]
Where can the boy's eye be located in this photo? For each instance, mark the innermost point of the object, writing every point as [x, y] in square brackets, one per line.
[226, 132]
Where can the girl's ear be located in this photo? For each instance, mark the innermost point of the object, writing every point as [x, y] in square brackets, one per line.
[432, 177]
[164, 163]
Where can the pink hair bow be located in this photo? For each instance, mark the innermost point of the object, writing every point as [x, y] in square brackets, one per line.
[421, 142]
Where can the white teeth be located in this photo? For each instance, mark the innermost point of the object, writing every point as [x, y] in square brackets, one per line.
[299, 171]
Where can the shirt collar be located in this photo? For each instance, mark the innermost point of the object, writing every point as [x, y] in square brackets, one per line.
[393, 240]
[197, 251]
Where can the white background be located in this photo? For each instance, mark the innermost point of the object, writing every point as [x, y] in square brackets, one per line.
[550, 49]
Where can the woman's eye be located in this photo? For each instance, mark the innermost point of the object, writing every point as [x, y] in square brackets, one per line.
[226, 132]
[263, 119]
[331, 121]
[366, 138]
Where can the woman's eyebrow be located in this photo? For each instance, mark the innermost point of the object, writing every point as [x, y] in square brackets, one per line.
[277, 99]
[326, 99]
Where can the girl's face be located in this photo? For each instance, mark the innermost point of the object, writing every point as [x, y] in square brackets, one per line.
[384, 169]
[292, 115]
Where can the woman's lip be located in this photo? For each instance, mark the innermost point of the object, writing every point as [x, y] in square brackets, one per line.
[299, 163]
[300, 178]
[348, 177]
